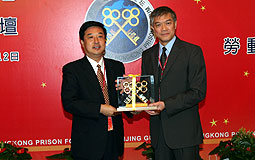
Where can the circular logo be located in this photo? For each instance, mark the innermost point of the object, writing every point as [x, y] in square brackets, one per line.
[127, 25]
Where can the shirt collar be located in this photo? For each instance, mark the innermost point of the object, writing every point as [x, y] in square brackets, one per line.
[94, 64]
[169, 46]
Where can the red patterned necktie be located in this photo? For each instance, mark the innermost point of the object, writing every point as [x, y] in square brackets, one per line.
[100, 77]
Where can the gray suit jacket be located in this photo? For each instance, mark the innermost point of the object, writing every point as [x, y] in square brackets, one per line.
[182, 87]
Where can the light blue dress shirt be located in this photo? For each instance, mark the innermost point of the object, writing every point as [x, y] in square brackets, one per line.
[169, 47]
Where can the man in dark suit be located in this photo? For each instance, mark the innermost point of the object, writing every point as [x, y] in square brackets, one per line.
[180, 82]
[89, 94]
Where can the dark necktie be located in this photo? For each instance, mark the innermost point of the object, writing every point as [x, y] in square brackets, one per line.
[163, 57]
[161, 67]
[162, 63]
[100, 77]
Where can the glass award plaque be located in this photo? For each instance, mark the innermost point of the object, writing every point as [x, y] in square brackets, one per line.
[135, 93]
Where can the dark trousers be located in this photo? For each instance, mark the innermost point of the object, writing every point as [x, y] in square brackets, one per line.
[110, 152]
[163, 152]
[111, 148]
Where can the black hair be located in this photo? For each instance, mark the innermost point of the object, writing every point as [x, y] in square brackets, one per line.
[88, 24]
[162, 11]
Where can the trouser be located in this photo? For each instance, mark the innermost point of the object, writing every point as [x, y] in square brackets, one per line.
[163, 152]
[110, 152]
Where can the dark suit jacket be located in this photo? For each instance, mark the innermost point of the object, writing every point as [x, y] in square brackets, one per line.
[182, 87]
[82, 96]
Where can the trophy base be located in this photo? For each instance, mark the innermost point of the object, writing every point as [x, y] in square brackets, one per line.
[121, 109]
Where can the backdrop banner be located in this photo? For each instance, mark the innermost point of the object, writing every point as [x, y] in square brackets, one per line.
[38, 37]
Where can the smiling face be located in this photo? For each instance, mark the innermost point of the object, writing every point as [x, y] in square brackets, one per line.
[164, 28]
[94, 43]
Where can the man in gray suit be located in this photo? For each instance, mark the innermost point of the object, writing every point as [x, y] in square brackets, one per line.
[180, 82]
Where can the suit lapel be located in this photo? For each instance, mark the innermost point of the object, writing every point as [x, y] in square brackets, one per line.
[172, 57]
[91, 76]
[110, 77]
[154, 58]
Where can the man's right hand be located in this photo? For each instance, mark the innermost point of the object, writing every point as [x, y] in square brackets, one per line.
[107, 110]
[160, 107]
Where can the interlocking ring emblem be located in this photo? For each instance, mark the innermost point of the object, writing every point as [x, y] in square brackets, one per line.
[113, 15]
[127, 87]
[141, 86]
